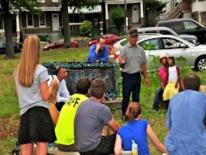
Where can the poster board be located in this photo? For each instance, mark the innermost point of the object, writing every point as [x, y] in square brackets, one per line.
[106, 71]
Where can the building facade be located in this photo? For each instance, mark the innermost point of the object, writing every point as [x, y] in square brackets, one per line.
[49, 19]
[134, 8]
[195, 9]
[198, 8]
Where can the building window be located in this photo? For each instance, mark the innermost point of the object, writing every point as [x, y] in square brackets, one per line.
[42, 20]
[30, 20]
[42, 1]
[55, 1]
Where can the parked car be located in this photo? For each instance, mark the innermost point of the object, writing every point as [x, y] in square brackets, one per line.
[17, 46]
[195, 54]
[122, 42]
[166, 31]
[186, 26]
[60, 44]
[109, 39]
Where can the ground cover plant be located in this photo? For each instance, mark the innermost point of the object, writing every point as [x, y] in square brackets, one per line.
[9, 113]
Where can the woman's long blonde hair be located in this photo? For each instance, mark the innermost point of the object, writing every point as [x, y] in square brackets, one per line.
[29, 60]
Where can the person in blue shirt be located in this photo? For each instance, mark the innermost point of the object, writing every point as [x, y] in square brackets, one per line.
[99, 52]
[186, 120]
[137, 130]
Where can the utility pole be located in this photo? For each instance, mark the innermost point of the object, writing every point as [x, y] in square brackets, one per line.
[126, 18]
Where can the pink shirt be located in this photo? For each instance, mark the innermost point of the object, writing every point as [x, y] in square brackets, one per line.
[163, 75]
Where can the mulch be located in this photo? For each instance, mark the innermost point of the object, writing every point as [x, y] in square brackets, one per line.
[9, 126]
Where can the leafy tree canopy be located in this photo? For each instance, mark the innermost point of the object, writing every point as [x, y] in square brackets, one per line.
[154, 5]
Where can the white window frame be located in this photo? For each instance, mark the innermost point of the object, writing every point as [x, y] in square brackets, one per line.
[27, 25]
[42, 1]
[44, 14]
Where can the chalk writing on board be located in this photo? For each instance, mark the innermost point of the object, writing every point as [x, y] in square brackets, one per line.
[107, 72]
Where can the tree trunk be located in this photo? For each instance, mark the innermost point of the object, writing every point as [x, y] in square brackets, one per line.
[66, 28]
[7, 17]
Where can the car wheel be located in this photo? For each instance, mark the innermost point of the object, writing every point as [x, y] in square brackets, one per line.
[200, 63]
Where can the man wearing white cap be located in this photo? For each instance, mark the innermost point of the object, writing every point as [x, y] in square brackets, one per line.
[163, 76]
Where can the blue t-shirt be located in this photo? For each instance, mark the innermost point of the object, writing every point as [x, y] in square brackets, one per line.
[101, 57]
[135, 130]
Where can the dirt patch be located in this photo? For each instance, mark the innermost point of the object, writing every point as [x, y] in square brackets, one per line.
[9, 126]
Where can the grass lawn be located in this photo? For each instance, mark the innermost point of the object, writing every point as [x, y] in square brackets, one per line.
[9, 104]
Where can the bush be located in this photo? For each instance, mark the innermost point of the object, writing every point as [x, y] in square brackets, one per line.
[86, 27]
[44, 37]
[118, 17]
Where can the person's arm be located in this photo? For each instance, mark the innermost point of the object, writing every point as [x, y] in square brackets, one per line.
[122, 57]
[178, 77]
[64, 92]
[46, 90]
[169, 121]
[144, 73]
[105, 57]
[162, 80]
[118, 145]
[153, 137]
[92, 54]
[105, 116]
[114, 125]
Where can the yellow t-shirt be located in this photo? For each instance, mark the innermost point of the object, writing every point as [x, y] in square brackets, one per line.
[64, 129]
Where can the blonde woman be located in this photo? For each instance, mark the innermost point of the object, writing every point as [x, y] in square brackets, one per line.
[33, 93]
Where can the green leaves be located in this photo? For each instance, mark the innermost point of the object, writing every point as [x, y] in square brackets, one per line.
[149, 46]
[118, 17]
[79, 3]
[86, 27]
[30, 5]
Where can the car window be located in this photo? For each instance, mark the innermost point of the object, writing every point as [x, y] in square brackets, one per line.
[151, 44]
[170, 43]
[123, 43]
[166, 32]
[178, 26]
[150, 31]
[189, 25]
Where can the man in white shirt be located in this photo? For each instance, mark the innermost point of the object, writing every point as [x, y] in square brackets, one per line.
[63, 93]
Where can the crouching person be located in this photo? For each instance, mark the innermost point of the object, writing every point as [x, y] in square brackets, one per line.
[65, 125]
[90, 120]
[136, 130]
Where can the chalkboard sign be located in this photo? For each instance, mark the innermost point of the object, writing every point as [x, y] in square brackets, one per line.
[106, 71]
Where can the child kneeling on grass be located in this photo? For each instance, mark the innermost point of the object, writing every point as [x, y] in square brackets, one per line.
[136, 130]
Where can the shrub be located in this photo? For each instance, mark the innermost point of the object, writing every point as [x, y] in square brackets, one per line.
[118, 17]
[86, 27]
[43, 37]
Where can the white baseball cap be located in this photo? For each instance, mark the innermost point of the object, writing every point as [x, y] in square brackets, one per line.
[164, 55]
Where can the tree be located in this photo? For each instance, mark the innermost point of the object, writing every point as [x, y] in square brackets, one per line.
[118, 17]
[7, 7]
[65, 16]
[86, 27]
[152, 7]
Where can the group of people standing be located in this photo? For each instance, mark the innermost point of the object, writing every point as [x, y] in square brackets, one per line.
[82, 115]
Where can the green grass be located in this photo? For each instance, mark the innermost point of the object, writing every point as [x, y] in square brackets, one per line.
[9, 103]
[8, 98]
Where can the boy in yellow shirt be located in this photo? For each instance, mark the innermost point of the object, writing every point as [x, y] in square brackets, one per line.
[65, 125]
